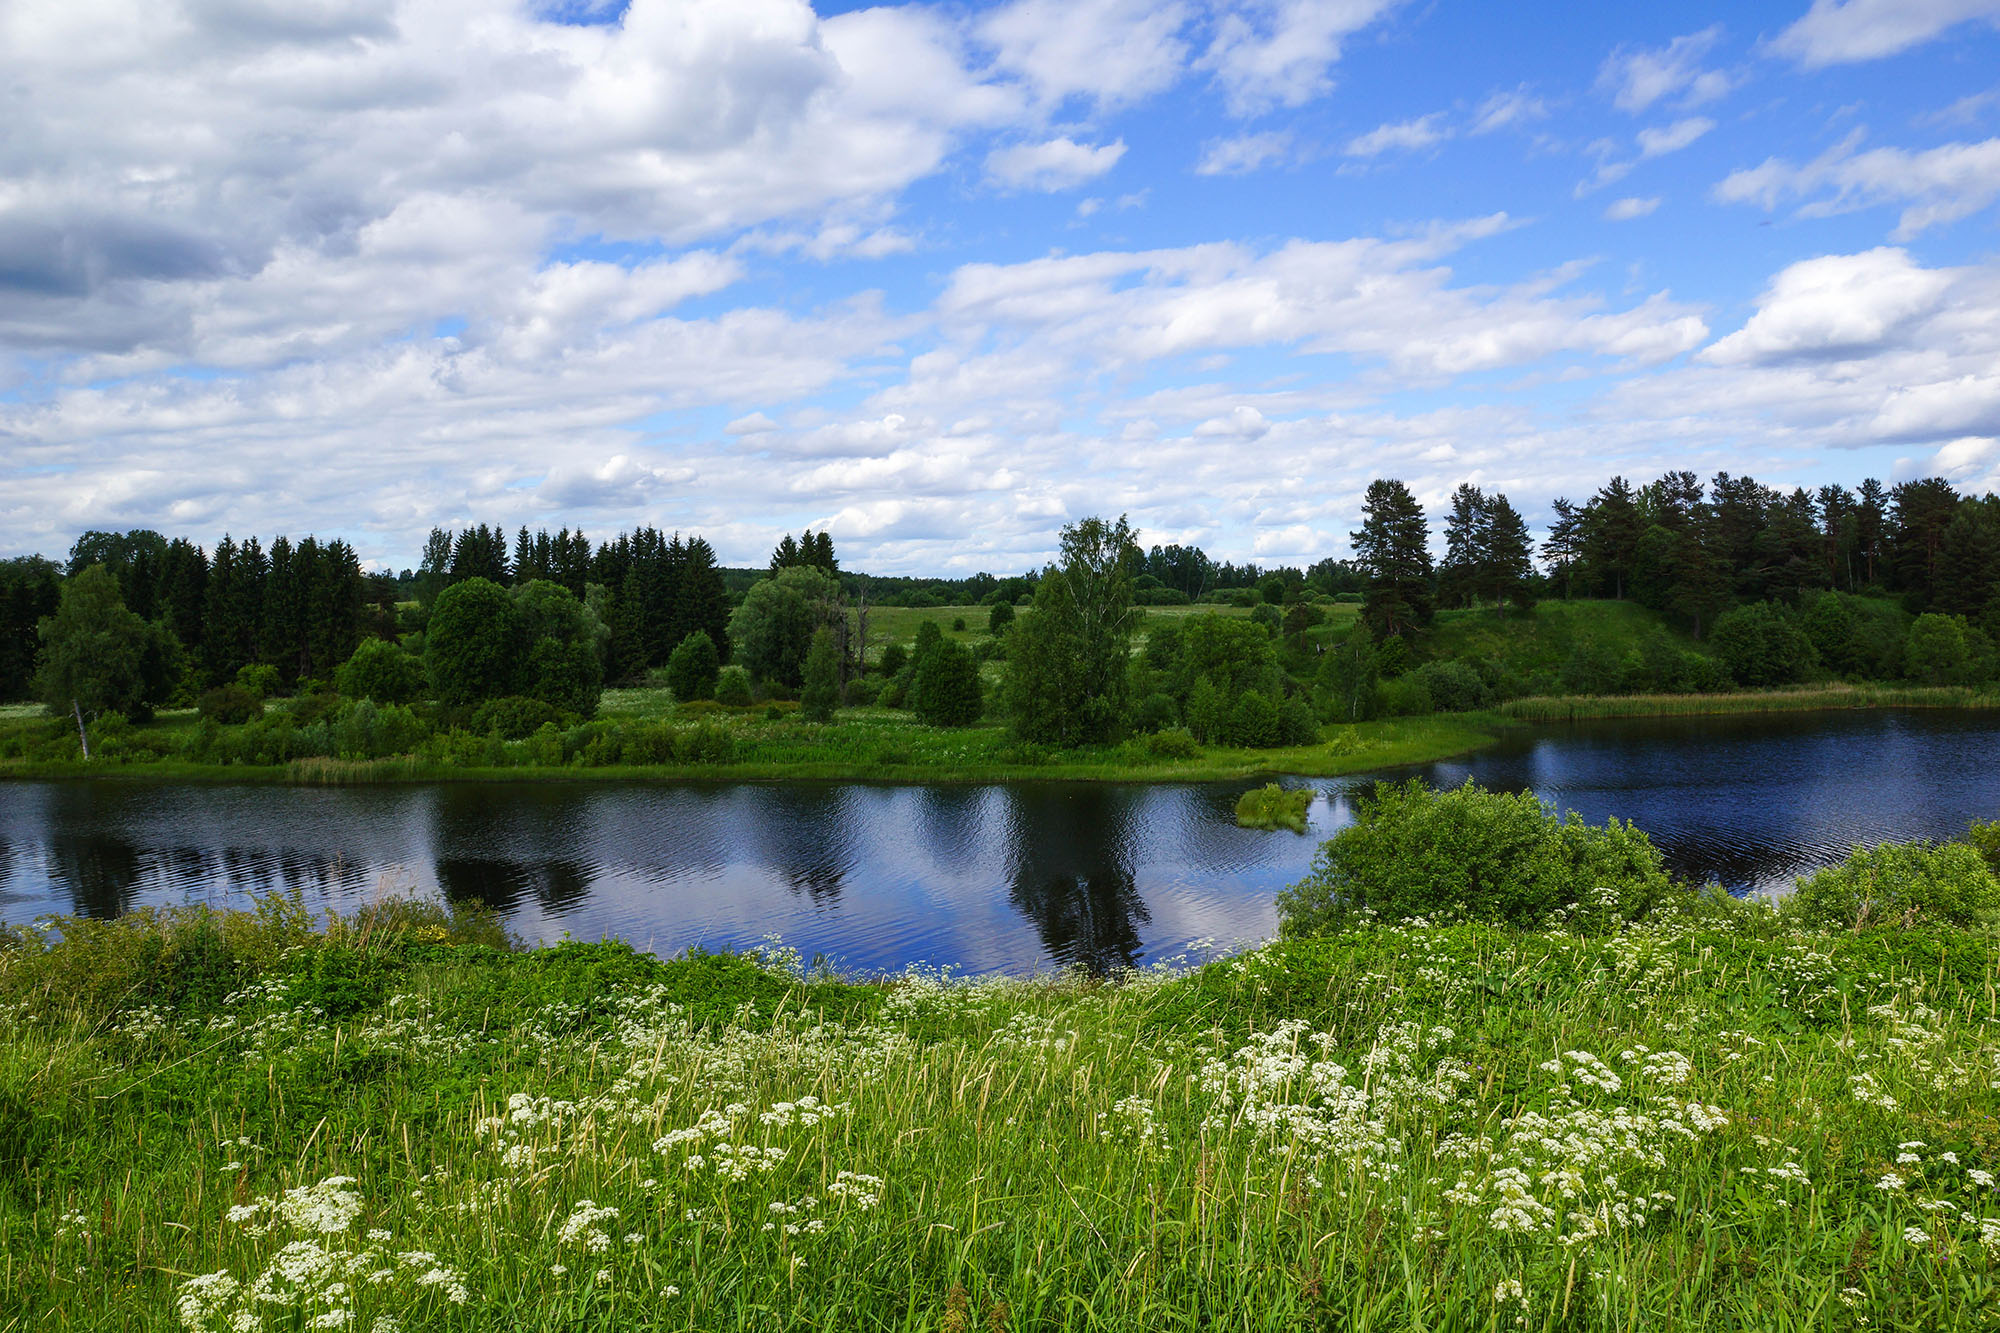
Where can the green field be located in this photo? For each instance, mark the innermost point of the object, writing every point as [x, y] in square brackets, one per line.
[1704, 1123]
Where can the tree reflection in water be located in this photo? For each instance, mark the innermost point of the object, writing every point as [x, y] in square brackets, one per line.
[500, 852]
[806, 838]
[1071, 873]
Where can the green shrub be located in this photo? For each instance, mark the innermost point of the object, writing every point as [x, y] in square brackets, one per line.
[1155, 712]
[694, 668]
[258, 677]
[367, 732]
[1172, 743]
[1763, 644]
[1298, 724]
[732, 687]
[999, 618]
[513, 717]
[1473, 855]
[1454, 687]
[1253, 721]
[384, 672]
[1900, 884]
[229, 705]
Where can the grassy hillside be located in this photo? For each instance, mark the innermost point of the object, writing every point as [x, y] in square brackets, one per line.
[1703, 1124]
[1536, 644]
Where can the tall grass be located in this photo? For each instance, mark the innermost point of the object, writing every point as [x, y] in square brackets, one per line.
[1692, 1126]
[1804, 699]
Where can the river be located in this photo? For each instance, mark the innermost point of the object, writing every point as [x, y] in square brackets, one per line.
[993, 878]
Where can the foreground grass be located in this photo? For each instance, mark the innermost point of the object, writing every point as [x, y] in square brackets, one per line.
[236, 1122]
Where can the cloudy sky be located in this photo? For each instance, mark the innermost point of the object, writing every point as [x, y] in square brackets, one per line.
[943, 277]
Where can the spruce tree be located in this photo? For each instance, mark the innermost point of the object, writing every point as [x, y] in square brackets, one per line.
[1465, 547]
[1393, 547]
[1506, 566]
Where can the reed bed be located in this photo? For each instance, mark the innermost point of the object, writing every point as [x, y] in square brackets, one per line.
[1579, 707]
[216, 1121]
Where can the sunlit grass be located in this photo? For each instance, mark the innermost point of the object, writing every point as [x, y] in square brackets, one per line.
[1697, 1125]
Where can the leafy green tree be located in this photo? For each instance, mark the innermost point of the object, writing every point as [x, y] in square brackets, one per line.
[561, 667]
[1348, 673]
[1393, 546]
[772, 630]
[945, 689]
[1937, 651]
[693, 668]
[473, 644]
[822, 678]
[999, 618]
[1762, 644]
[98, 657]
[383, 672]
[1067, 674]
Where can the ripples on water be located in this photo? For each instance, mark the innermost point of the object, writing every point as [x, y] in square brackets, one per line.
[988, 878]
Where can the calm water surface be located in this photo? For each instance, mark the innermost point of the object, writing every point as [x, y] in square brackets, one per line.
[990, 878]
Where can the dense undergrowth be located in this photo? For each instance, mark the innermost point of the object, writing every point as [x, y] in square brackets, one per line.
[397, 1121]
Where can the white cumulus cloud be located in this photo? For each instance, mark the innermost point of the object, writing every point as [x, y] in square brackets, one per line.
[1059, 164]
[1837, 32]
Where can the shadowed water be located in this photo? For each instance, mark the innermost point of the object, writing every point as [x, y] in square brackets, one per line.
[985, 878]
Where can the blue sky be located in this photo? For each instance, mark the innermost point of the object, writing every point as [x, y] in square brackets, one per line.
[941, 278]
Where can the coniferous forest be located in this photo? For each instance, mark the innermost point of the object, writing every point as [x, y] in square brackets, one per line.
[1675, 587]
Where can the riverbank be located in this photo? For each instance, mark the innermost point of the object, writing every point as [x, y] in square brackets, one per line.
[400, 1122]
[866, 745]
[772, 744]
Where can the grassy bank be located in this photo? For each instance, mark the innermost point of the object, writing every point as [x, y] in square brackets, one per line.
[1806, 698]
[866, 744]
[400, 1126]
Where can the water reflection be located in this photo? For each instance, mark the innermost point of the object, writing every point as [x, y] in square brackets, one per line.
[1072, 874]
[995, 878]
[809, 837]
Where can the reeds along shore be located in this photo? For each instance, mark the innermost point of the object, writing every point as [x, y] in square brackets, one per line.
[1808, 699]
[393, 1121]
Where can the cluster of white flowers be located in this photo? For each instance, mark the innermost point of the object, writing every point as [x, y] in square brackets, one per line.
[325, 1208]
[585, 1224]
[1132, 1121]
[801, 1224]
[863, 1191]
[1032, 1032]
[806, 1112]
[143, 1023]
[318, 1284]
[1869, 1092]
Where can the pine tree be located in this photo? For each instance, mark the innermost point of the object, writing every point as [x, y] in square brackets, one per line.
[1507, 565]
[1564, 546]
[1393, 546]
[1465, 547]
[1612, 526]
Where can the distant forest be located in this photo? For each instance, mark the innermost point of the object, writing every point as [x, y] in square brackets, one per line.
[1689, 550]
